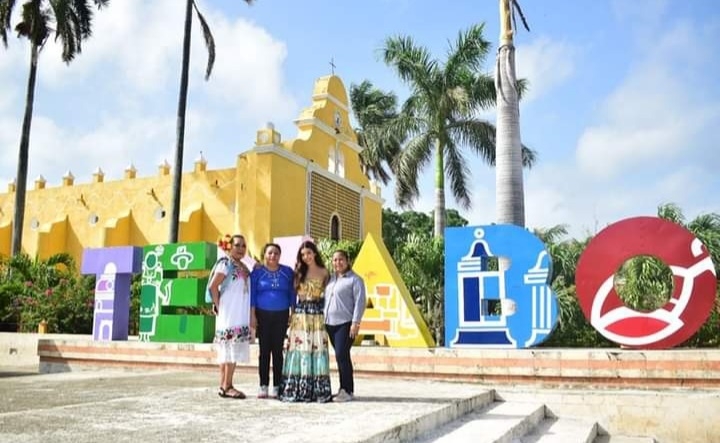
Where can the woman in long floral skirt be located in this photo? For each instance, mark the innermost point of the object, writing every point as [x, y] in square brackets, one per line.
[306, 369]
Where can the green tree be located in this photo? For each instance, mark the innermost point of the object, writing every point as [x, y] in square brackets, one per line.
[509, 192]
[373, 109]
[393, 229]
[190, 5]
[398, 226]
[440, 117]
[572, 328]
[327, 247]
[421, 262]
[71, 21]
[453, 218]
[705, 227]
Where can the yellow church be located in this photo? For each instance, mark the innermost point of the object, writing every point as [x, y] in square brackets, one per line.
[312, 185]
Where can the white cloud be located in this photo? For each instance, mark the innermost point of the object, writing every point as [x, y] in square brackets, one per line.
[138, 43]
[647, 10]
[116, 102]
[545, 64]
[247, 70]
[657, 114]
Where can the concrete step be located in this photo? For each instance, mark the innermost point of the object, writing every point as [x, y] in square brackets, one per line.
[422, 425]
[562, 430]
[500, 422]
[622, 439]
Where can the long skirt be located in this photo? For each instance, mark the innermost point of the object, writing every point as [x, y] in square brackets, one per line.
[306, 369]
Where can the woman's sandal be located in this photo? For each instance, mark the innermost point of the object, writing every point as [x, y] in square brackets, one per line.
[230, 392]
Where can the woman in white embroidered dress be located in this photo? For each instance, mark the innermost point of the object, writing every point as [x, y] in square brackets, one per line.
[231, 304]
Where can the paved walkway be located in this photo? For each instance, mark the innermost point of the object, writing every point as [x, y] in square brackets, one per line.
[157, 406]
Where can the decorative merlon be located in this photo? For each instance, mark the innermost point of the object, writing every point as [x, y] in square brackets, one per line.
[164, 168]
[40, 182]
[200, 163]
[267, 135]
[98, 175]
[68, 179]
[130, 171]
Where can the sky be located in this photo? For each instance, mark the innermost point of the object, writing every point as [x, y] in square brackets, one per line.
[623, 105]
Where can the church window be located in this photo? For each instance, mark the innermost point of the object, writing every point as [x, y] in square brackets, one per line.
[335, 228]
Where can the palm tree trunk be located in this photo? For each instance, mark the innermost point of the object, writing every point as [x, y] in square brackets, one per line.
[439, 215]
[23, 154]
[180, 145]
[509, 192]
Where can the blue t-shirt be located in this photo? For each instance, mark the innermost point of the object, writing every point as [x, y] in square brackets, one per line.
[272, 290]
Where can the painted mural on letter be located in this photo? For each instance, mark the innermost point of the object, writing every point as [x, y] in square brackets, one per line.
[496, 288]
[171, 288]
[391, 315]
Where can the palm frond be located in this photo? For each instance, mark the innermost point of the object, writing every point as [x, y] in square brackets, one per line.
[412, 63]
[477, 135]
[34, 24]
[468, 52]
[551, 234]
[671, 212]
[378, 152]
[67, 28]
[412, 160]
[372, 106]
[482, 92]
[374, 109]
[705, 222]
[517, 10]
[529, 157]
[457, 171]
[62, 258]
[209, 41]
[6, 8]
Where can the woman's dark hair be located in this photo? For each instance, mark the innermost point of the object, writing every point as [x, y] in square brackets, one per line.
[301, 268]
[345, 254]
[271, 245]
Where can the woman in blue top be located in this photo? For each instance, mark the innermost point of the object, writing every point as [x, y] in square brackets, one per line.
[272, 300]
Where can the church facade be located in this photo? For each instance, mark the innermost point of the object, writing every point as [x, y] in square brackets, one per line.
[311, 185]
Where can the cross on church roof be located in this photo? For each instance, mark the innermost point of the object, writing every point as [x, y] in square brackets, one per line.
[332, 65]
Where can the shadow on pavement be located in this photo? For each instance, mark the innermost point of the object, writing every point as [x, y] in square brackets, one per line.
[13, 373]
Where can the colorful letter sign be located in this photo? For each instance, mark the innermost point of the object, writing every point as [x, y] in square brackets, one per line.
[497, 292]
[391, 315]
[508, 307]
[113, 268]
[694, 281]
[164, 294]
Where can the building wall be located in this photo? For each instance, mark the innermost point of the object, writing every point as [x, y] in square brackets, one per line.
[263, 195]
[131, 211]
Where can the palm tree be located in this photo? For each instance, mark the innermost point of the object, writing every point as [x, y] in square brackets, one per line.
[440, 117]
[509, 192]
[72, 20]
[182, 105]
[373, 109]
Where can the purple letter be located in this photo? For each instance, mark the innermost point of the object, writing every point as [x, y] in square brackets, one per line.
[114, 268]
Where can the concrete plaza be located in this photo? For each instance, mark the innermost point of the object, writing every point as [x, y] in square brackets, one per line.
[158, 406]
